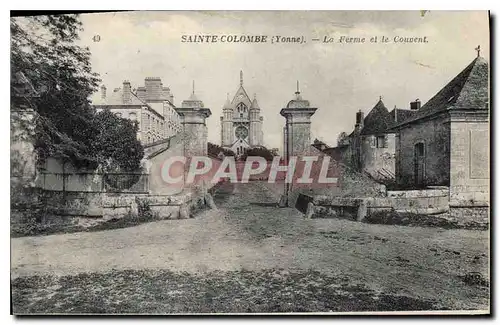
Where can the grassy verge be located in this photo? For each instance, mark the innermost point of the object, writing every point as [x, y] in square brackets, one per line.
[163, 292]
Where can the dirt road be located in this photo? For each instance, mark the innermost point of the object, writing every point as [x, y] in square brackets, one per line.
[249, 232]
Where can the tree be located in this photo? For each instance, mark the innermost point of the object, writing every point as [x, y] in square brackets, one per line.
[43, 50]
[260, 152]
[341, 139]
[115, 144]
[214, 150]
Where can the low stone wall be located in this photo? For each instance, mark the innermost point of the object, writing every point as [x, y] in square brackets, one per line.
[426, 201]
[417, 202]
[90, 209]
[479, 215]
[434, 201]
[429, 192]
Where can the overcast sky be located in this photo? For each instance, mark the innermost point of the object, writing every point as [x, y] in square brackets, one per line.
[339, 79]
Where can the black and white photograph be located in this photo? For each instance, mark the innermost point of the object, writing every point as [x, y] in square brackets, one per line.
[250, 162]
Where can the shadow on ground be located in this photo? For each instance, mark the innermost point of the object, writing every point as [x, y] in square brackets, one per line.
[162, 292]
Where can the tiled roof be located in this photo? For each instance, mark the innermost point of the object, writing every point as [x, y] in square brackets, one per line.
[467, 91]
[241, 96]
[399, 115]
[378, 120]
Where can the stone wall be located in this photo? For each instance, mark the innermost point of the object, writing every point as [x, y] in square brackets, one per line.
[357, 208]
[469, 167]
[416, 201]
[435, 134]
[153, 148]
[22, 153]
[467, 215]
[379, 162]
[157, 184]
[68, 209]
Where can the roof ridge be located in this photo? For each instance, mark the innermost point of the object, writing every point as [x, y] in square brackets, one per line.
[244, 92]
[460, 89]
[378, 120]
[464, 73]
[472, 73]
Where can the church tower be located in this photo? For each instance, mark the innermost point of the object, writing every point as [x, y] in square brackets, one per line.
[226, 120]
[255, 130]
[241, 122]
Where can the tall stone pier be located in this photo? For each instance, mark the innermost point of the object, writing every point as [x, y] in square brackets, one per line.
[194, 129]
[297, 138]
[297, 130]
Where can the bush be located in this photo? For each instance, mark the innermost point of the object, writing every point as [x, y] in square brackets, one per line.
[121, 181]
[144, 212]
[258, 152]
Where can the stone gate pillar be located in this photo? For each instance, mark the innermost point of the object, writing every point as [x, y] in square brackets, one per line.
[297, 137]
[194, 130]
[297, 130]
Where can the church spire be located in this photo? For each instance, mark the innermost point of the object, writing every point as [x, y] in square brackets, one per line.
[227, 104]
[255, 104]
[193, 96]
[297, 93]
[241, 78]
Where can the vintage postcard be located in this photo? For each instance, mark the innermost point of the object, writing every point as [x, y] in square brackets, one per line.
[250, 162]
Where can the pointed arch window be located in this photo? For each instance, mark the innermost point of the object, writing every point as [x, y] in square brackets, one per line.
[241, 108]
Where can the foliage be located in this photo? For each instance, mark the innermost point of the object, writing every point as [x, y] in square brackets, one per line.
[342, 139]
[115, 143]
[43, 50]
[143, 209]
[259, 152]
[47, 59]
[214, 150]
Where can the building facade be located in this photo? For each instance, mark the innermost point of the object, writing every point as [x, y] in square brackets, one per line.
[447, 141]
[241, 122]
[371, 146]
[151, 106]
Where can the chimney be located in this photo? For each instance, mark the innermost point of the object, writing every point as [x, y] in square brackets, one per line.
[415, 105]
[360, 118]
[103, 92]
[126, 92]
[153, 88]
